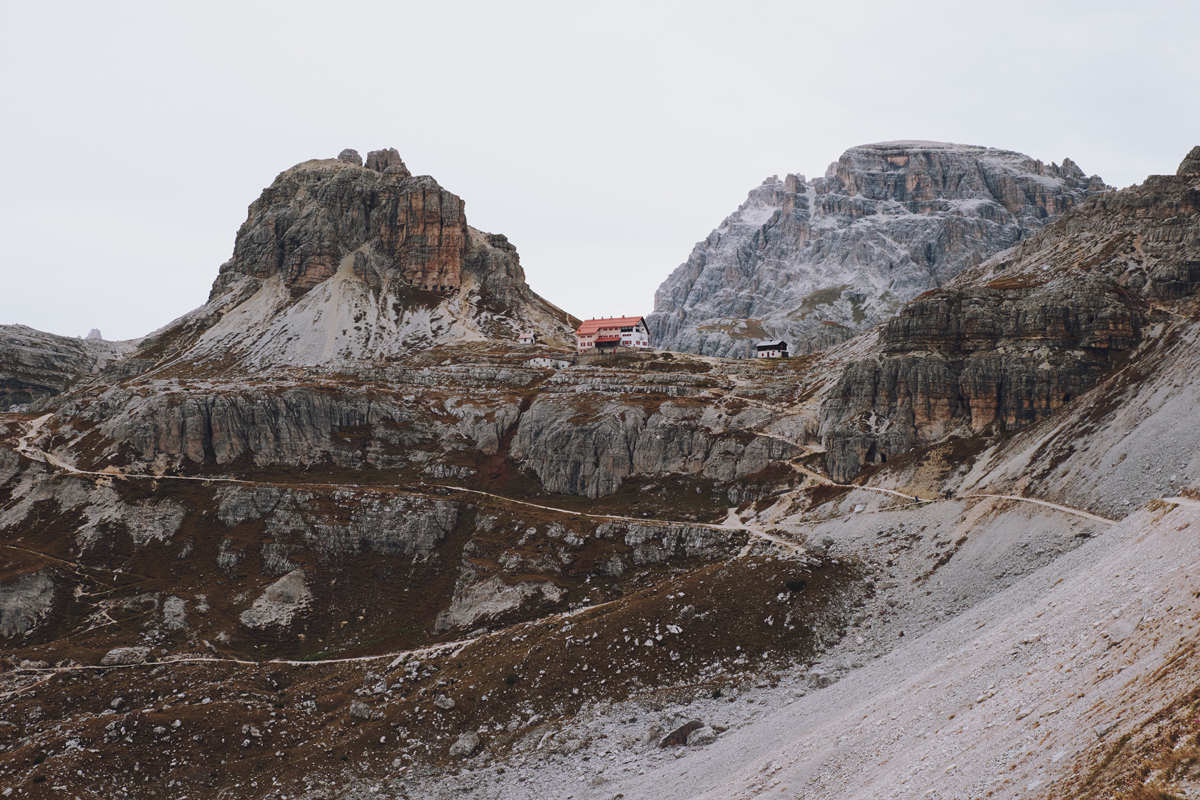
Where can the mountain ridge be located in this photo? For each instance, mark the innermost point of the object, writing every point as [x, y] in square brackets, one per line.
[817, 261]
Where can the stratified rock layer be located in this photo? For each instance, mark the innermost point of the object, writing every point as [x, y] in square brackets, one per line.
[1018, 336]
[815, 262]
[590, 444]
[315, 213]
[35, 366]
[973, 357]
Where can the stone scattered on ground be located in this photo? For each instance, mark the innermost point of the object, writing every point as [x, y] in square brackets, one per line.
[123, 656]
[680, 734]
[374, 683]
[465, 745]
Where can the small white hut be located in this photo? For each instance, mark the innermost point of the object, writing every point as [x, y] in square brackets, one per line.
[773, 349]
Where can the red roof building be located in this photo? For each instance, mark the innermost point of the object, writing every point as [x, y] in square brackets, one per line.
[607, 334]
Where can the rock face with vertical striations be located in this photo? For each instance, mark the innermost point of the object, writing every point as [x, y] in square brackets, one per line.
[383, 160]
[974, 357]
[1015, 338]
[815, 262]
[315, 214]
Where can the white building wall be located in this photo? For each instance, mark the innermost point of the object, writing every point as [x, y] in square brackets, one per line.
[638, 337]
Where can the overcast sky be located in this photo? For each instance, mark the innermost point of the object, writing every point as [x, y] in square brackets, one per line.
[604, 139]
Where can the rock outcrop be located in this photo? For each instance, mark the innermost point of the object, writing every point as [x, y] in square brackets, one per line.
[384, 160]
[815, 262]
[316, 213]
[972, 357]
[24, 602]
[280, 603]
[408, 527]
[491, 598]
[1013, 339]
[1145, 238]
[589, 446]
[1190, 166]
[579, 431]
[303, 424]
[591, 428]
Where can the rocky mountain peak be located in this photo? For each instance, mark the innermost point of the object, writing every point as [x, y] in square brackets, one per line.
[921, 173]
[387, 161]
[382, 258]
[817, 261]
[1190, 164]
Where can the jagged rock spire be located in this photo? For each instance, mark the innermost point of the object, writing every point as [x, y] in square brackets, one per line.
[1190, 164]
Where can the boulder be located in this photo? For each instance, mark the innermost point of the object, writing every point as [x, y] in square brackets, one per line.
[283, 600]
[465, 745]
[819, 679]
[122, 656]
[350, 156]
[477, 600]
[374, 683]
[679, 736]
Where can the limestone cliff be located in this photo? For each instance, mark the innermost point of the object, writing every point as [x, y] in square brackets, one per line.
[585, 431]
[815, 262]
[1018, 336]
[581, 439]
